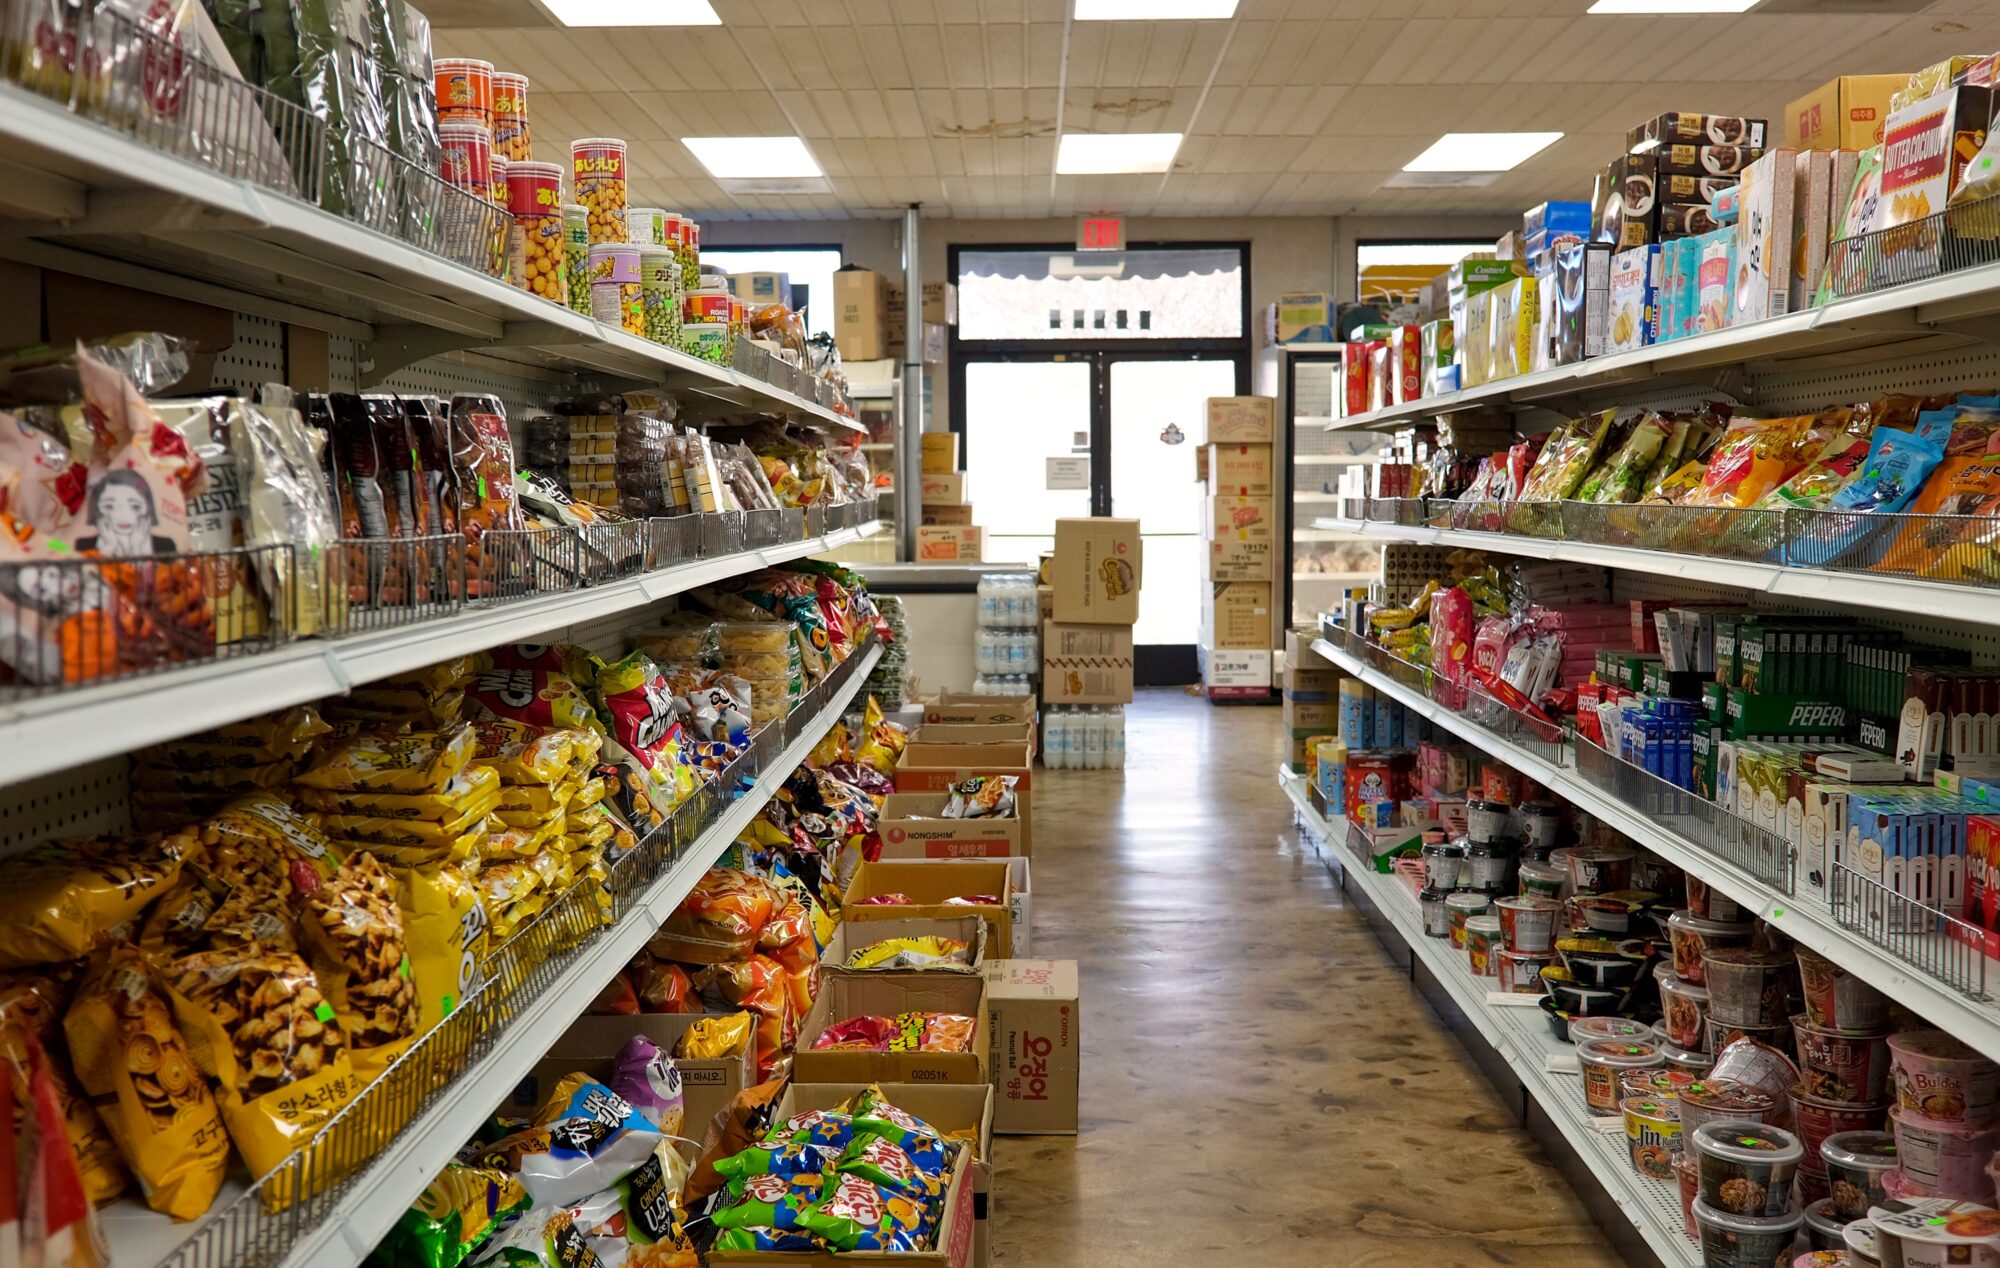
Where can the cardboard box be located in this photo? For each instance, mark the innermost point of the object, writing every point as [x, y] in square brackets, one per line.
[911, 827]
[948, 544]
[762, 288]
[1241, 471]
[1310, 715]
[1021, 902]
[940, 304]
[1304, 316]
[940, 453]
[1242, 520]
[1086, 664]
[848, 939]
[1034, 1018]
[977, 733]
[591, 1043]
[957, 1231]
[1099, 567]
[1842, 114]
[1237, 614]
[942, 488]
[860, 314]
[1242, 561]
[963, 707]
[929, 767]
[1763, 282]
[946, 516]
[848, 995]
[1242, 420]
[1234, 673]
[929, 883]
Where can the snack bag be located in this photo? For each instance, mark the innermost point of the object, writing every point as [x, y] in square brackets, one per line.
[471, 794]
[258, 1024]
[780, 1159]
[31, 1015]
[354, 930]
[539, 697]
[769, 1239]
[583, 1138]
[1620, 479]
[58, 1226]
[830, 1128]
[854, 1215]
[715, 1037]
[527, 754]
[455, 1215]
[636, 708]
[134, 1064]
[62, 899]
[648, 1079]
[1950, 548]
[719, 920]
[982, 797]
[284, 736]
[773, 1202]
[1755, 456]
[421, 762]
[882, 1163]
[637, 1222]
[926, 952]
[545, 1237]
[662, 986]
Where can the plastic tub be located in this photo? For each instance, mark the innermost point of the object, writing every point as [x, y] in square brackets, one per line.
[1599, 869]
[1689, 1178]
[1463, 905]
[1936, 1233]
[1810, 1183]
[1835, 998]
[1489, 821]
[1437, 917]
[1603, 1060]
[1693, 938]
[1855, 1164]
[1442, 864]
[1520, 971]
[1841, 1065]
[1823, 1226]
[1941, 1078]
[1947, 1160]
[1684, 1009]
[1861, 1244]
[1749, 986]
[753, 636]
[1528, 924]
[1746, 1168]
[1482, 942]
[1652, 1130]
[1818, 1118]
[1543, 880]
[597, 180]
[1708, 903]
[1737, 1241]
[1618, 1029]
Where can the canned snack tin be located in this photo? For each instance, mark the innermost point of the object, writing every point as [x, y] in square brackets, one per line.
[576, 254]
[534, 196]
[708, 340]
[706, 306]
[597, 171]
[660, 286]
[464, 87]
[615, 296]
[510, 116]
[465, 157]
[646, 226]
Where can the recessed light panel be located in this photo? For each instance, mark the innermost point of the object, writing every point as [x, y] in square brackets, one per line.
[1671, 6]
[753, 156]
[1481, 151]
[633, 12]
[1152, 10]
[1116, 153]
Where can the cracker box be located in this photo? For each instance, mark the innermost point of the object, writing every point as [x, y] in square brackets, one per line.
[1634, 299]
[1242, 420]
[1925, 145]
[1763, 264]
[1406, 363]
[1812, 215]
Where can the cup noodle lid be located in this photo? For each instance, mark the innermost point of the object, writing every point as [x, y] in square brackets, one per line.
[1925, 1230]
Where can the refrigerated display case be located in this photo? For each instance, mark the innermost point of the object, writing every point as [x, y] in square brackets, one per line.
[873, 387]
[1319, 563]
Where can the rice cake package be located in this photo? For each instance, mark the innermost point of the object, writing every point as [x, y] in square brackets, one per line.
[1763, 264]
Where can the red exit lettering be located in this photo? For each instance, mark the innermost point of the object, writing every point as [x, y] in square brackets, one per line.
[1100, 233]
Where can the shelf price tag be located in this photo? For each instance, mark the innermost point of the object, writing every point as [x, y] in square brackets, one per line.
[1561, 1063]
[1512, 999]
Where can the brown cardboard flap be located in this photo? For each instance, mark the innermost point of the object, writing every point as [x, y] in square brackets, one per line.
[591, 1044]
[912, 826]
[846, 995]
[928, 884]
[962, 707]
[849, 938]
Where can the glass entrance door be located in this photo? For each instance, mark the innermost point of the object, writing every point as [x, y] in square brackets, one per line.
[1018, 415]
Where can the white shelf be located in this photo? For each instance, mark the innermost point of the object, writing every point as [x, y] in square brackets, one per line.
[1800, 917]
[64, 730]
[124, 212]
[1950, 305]
[1345, 578]
[1520, 1036]
[1317, 533]
[1861, 589]
[375, 1199]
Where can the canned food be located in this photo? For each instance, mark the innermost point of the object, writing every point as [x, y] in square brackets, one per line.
[660, 286]
[464, 87]
[646, 226]
[465, 157]
[534, 197]
[498, 191]
[510, 115]
[689, 249]
[597, 166]
[615, 295]
[708, 340]
[706, 306]
[576, 254]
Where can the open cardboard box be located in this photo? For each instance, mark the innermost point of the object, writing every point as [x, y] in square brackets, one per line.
[911, 827]
[929, 767]
[928, 883]
[963, 708]
[849, 938]
[591, 1044]
[976, 733]
[845, 995]
[953, 1248]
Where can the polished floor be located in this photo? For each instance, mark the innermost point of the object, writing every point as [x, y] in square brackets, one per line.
[1261, 1086]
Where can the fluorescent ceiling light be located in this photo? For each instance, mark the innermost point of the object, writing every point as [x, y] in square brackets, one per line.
[753, 156]
[1481, 151]
[1152, 10]
[633, 12]
[1671, 6]
[1116, 153]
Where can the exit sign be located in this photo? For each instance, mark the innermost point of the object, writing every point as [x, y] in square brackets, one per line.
[1100, 233]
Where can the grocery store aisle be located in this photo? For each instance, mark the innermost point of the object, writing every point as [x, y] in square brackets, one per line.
[1260, 1085]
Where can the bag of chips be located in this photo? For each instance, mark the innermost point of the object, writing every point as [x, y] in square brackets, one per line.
[982, 797]
[719, 920]
[474, 791]
[285, 736]
[62, 899]
[918, 1176]
[584, 1138]
[454, 1216]
[662, 986]
[637, 1222]
[31, 1006]
[354, 932]
[714, 1038]
[421, 762]
[782, 1159]
[446, 932]
[545, 1236]
[774, 1202]
[905, 1032]
[926, 952]
[648, 1079]
[854, 1215]
[637, 709]
[1963, 492]
[132, 1061]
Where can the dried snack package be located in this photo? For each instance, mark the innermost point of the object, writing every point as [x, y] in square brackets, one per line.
[259, 1025]
[774, 1202]
[482, 470]
[719, 920]
[524, 753]
[769, 1239]
[535, 695]
[585, 1138]
[1945, 536]
[637, 709]
[867, 1033]
[288, 503]
[715, 1037]
[648, 1078]
[451, 1219]
[473, 792]
[829, 1128]
[63, 898]
[31, 1008]
[283, 736]
[135, 1065]
[982, 797]
[780, 1159]
[925, 952]
[354, 934]
[637, 1222]
[883, 1163]
[855, 1215]
[421, 762]
[58, 1225]
[1898, 463]
[545, 1237]
[874, 1115]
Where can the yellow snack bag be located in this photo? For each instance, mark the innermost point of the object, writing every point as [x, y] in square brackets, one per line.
[258, 1024]
[222, 779]
[592, 835]
[63, 898]
[397, 709]
[274, 737]
[406, 832]
[528, 754]
[589, 793]
[926, 952]
[135, 1065]
[715, 1037]
[425, 761]
[445, 934]
[475, 788]
[354, 930]
[30, 1011]
[538, 799]
[509, 842]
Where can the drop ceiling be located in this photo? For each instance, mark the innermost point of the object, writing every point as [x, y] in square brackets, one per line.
[1292, 107]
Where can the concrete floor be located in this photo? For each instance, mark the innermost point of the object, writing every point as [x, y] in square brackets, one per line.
[1260, 1085]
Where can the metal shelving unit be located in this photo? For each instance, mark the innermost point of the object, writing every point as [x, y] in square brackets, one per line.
[1519, 1037]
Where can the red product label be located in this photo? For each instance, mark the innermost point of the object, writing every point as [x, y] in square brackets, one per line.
[1914, 152]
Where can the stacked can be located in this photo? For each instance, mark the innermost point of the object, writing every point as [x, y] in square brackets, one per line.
[534, 197]
[510, 116]
[466, 157]
[616, 297]
[645, 226]
[688, 248]
[660, 286]
[464, 88]
[597, 166]
[576, 254]
[705, 324]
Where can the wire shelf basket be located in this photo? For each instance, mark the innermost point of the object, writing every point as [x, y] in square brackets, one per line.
[392, 195]
[723, 533]
[1406, 512]
[1715, 532]
[390, 582]
[517, 563]
[1695, 819]
[1948, 241]
[815, 521]
[672, 541]
[1938, 945]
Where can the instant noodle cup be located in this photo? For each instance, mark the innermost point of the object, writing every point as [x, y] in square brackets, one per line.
[1520, 971]
[1809, 1184]
[1657, 1081]
[1683, 1009]
[1748, 986]
[1944, 1159]
[1842, 1065]
[1710, 1100]
[1442, 864]
[1693, 938]
[1936, 1232]
[1604, 1060]
[1862, 1247]
[597, 180]
[1462, 906]
[1437, 917]
[616, 298]
[576, 254]
[1652, 1130]
[1689, 1179]
[534, 197]
[465, 157]
[1599, 869]
[1835, 998]
[1740, 1241]
[1823, 1226]
[1528, 924]
[464, 87]
[510, 116]
[1856, 1164]
[1941, 1078]
[1620, 1029]
[1746, 1168]
[1709, 903]
[1695, 1063]
[1761, 1066]
[1544, 880]
[1818, 1118]
[1482, 943]
[1721, 1034]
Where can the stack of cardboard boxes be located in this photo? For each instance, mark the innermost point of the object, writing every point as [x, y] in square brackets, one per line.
[1094, 580]
[946, 534]
[869, 311]
[1312, 698]
[1241, 589]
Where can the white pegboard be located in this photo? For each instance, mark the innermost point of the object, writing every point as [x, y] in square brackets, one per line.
[256, 357]
[343, 355]
[87, 801]
[1938, 363]
[521, 392]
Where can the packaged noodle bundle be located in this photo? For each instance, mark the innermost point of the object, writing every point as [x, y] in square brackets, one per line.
[62, 899]
[424, 761]
[132, 1061]
[454, 1216]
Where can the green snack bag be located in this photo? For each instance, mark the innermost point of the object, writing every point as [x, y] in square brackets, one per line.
[772, 1202]
[451, 1219]
[782, 1159]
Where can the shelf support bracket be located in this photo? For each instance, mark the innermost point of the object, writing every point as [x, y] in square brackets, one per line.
[397, 347]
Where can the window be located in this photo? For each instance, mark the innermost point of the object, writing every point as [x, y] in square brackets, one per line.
[809, 267]
[1167, 293]
[1390, 272]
